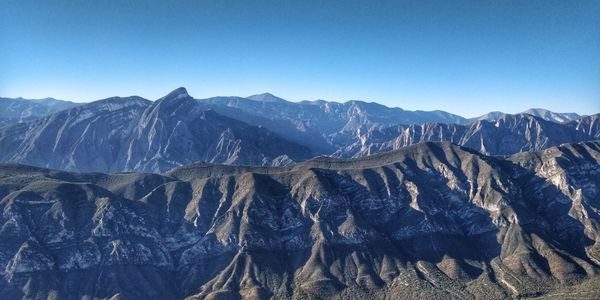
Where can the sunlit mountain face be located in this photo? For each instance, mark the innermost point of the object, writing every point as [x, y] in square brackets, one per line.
[432, 219]
[132, 134]
[301, 150]
[263, 198]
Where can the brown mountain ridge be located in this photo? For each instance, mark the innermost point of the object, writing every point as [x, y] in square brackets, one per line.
[430, 220]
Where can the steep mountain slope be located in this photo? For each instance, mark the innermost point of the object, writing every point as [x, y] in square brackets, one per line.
[178, 130]
[134, 134]
[87, 138]
[508, 135]
[433, 220]
[589, 125]
[20, 110]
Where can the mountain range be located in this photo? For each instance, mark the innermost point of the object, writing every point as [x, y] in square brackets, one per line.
[507, 135]
[263, 198]
[132, 134]
[536, 112]
[427, 221]
[17, 110]
[126, 134]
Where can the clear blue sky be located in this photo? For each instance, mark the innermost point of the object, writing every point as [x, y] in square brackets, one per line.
[465, 57]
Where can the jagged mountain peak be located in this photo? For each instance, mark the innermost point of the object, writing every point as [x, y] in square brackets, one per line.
[177, 93]
[174, 100]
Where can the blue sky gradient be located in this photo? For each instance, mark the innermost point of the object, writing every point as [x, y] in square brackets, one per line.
[465, 57]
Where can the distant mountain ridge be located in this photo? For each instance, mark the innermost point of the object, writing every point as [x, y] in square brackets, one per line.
[134, 134]
[266, 97]
[536, 112]
[15, 108]
[18, 110]
[508, 135]
[326, 125]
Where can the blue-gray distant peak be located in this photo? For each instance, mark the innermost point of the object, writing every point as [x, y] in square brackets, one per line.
[266, 97]
[491, 116]
[552, 116]
[180, 92]
[536, 112]
[18, 110]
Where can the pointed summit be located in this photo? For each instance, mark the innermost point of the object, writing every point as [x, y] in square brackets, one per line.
[174, 99]
[177, 93]
[266, 97]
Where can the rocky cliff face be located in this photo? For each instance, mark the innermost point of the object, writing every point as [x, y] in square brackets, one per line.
[134, 134]
[433, 219]
[589, 125]
[508, 135]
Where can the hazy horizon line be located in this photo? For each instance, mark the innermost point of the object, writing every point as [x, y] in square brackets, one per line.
[294, 101]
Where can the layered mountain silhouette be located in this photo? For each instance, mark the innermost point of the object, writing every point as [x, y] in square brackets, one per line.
[324, 126]
[432, 220]
[20, 110]
[263, 198]
[537, 112]
[508, 135]
[134, 134]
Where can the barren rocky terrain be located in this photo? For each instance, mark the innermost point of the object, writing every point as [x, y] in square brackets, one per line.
[432, 220]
